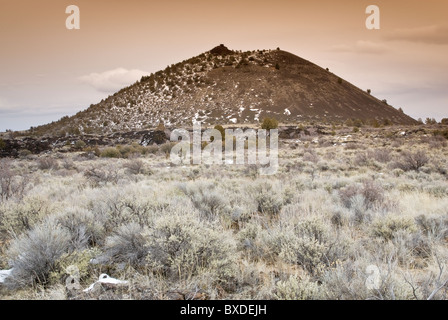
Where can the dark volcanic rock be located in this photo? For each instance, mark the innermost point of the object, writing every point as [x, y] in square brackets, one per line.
[221, 50]
[289, 133]
[13, 146]
[154, 137]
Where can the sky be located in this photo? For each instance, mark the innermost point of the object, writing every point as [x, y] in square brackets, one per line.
[48, 71]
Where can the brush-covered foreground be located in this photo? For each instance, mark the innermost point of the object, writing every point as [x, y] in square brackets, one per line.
[347, 216]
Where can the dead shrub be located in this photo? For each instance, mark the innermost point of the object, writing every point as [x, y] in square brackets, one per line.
[135, 166]
[412, 160]
[382, 155]
[47, 163]
[11, 184]
[371, 191]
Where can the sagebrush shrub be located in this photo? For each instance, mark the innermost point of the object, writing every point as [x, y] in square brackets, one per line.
[411, 246]
[6, 178]
[297, 289]
[311, 246]
[360, 212]
[166, 147]
[311, 156]
[23, 216]
[268, 199]
[371, 191]
[33, 254]
[347, 193]
[205, 197]
[387, 227]
[86, 229]
[249, 240]
[97, 176]
[182, 246]
[68, 164]
[361, 159]
[347, 281]
[126, 245]
[433, 226]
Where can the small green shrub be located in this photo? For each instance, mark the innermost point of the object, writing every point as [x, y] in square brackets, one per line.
[269, 123]
[387, 228]
[110, 152]
[79, 145]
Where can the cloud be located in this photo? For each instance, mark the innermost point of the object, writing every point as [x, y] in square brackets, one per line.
[362, 47]
[113, 80]
[435, 34]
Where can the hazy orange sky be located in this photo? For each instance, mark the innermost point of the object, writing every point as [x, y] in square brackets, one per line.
[48, 71]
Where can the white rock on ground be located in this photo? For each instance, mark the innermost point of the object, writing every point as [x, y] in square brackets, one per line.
[104, 278]
[4, 274]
